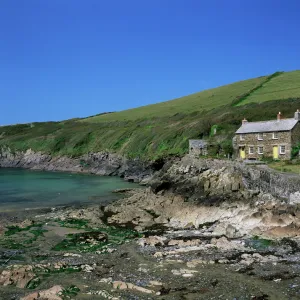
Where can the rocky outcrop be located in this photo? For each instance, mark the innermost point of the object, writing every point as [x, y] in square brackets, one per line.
[20, 276]
[193, 193]
[195, 177]
[102, 163]
[50, 294]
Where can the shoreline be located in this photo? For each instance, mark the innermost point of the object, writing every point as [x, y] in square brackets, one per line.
[154, 265]
[201, 229]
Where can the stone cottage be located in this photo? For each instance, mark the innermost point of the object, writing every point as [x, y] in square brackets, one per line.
[274, 139]
[198, 147]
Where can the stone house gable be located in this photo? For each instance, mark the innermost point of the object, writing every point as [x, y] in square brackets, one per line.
[273, 139]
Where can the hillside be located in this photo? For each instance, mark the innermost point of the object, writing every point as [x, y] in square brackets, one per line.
[157, 130]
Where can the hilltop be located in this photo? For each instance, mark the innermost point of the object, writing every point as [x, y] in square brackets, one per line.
[162, 129]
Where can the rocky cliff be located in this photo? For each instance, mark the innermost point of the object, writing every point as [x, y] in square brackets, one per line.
[228, 198]
[102, 163]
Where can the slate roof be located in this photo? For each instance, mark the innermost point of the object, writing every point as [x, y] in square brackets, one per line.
[268, 126]
[198, 143]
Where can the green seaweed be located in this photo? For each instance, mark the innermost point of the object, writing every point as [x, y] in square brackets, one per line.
[20, 238]
[73, 223]
[36, 234]
[33, 283]
[69, 292]
[259, 243]
[116, 236]
[11, 230]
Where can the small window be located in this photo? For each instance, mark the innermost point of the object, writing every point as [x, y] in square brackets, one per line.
[242, 137]
[260, 137]
[282, 149]
[275, 136]
[251, 150]
[260, 150]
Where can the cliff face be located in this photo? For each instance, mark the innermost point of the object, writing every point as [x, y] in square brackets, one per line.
[102, 163]
[228, 198]
[198, 179]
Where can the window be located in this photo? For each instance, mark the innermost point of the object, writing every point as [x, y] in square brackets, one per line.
[251, 150]
[282, 149]
[242, 137]
[260, 137]
[275, 136]
[260, 150]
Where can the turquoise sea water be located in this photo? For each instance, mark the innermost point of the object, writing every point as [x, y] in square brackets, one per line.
[21, 189]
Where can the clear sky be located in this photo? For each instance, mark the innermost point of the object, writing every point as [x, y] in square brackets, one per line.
[61, 59]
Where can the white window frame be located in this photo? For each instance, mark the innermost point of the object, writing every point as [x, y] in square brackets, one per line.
[242, 137]
[260, 137]
[275, 135]
[251, 152]
[280, 149]
[259, 148]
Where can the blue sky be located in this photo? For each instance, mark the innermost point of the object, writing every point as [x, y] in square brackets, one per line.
[61, 59]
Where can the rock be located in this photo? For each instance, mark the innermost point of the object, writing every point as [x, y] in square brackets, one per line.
[158, 254]
[195, 262]
[182, 243]
[86, 268]
[184, 272]
[154, 283]
[25, 223]
[232, 232]
[59, 265]
[50, 294]
[120, 285]
[19, 276]
[294, 198]
[92, 237]
[152, 241]
[72, 255]
[235, 186]
[224, 244]
[106, 280]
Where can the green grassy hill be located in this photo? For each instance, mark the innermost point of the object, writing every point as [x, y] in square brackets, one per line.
[205, 100]
[163, 129]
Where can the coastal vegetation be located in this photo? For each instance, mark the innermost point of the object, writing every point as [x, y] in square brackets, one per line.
[163, 129]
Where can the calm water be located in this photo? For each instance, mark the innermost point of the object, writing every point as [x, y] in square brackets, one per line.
[31, 189]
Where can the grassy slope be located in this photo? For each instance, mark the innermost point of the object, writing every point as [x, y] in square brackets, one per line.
[205, 100]
[284, 86]
[162, 129]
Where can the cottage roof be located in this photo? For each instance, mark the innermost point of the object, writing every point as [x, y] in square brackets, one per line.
[268, 126]
[198, 143]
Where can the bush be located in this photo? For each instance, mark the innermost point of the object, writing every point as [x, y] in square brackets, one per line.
[295, 151]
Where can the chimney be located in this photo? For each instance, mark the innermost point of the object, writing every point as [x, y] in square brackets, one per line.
[279, 116]
[244, 121]
[297, 115]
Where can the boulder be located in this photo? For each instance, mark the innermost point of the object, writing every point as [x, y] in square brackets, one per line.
[50, 294]
[19, 276]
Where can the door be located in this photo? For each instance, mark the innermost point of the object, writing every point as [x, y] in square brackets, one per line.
[275, 152]
[242, 153]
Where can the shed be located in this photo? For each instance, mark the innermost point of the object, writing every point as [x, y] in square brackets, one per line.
[198, 147]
